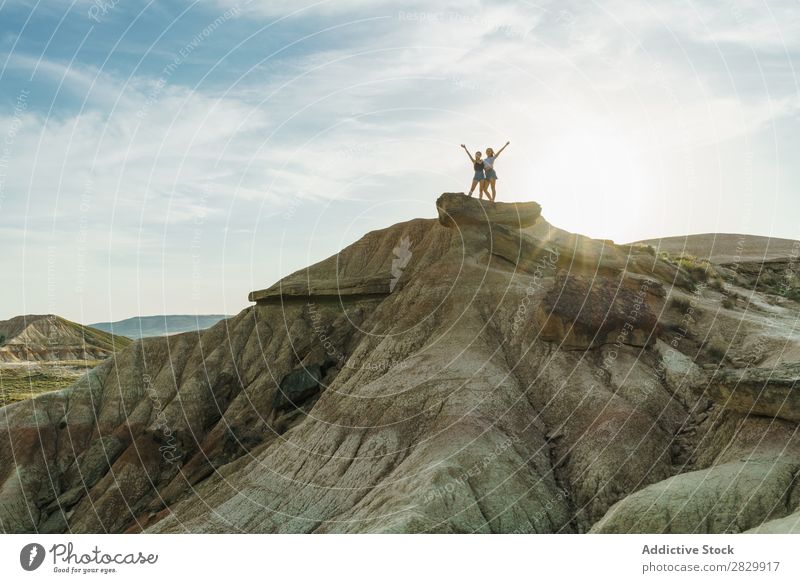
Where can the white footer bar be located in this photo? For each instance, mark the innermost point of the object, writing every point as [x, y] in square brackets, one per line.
[388, 558]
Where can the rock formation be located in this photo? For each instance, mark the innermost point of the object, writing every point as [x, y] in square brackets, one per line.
[50, 337]
[479, 372]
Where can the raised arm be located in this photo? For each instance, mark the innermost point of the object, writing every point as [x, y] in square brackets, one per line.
[468, 154]
[501, 149]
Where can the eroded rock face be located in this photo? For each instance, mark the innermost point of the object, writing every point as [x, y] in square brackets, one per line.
[297, 386]
[486, 390]
[581, 313]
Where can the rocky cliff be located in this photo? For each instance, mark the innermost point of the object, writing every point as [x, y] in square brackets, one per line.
[479, 372]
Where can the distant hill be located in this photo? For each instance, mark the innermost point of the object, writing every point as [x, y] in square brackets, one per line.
[726, 247]
[165, 325]
[51, 337]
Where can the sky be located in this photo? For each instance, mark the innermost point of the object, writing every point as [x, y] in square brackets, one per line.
[169, 157]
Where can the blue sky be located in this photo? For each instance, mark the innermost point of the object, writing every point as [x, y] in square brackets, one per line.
[168, 157]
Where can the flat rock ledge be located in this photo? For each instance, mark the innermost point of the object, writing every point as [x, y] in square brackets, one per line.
[458, 209]
[354, 287]
[769, 392]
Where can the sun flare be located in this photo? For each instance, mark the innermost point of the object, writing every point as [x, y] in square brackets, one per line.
[599, 172]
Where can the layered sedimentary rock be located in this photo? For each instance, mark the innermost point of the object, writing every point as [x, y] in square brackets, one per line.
[440, 375]
[770, 392]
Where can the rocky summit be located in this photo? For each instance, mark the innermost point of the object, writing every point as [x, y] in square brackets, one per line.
[482, 371]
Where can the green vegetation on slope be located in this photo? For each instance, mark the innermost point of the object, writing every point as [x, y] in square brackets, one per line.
[23, 381]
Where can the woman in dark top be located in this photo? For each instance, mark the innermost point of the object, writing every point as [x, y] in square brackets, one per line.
[478, 178]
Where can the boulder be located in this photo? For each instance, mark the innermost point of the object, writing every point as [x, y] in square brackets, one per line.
[727, 498]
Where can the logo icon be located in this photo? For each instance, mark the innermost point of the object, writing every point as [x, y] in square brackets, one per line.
[31, 556]
[402, 255]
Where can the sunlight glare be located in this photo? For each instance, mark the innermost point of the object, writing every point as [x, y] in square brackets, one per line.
[598, 173]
